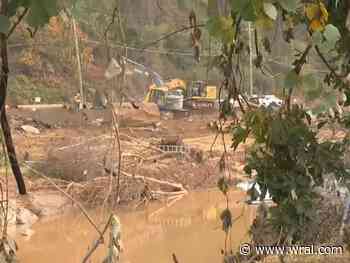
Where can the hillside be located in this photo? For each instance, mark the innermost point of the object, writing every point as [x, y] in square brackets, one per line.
[46, 66]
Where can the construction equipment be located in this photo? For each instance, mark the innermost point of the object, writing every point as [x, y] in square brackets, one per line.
[129, 113]
[173, 94]
[169, 96]
[200, 95]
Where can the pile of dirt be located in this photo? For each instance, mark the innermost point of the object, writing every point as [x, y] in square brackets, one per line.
[143, 114]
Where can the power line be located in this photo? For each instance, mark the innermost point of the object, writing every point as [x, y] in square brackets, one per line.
[155, 51]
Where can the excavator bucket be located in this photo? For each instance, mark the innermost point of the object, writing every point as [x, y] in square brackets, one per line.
[113, 69]
[142, 114]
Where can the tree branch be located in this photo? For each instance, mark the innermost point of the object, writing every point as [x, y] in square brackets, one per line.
[323, 58]
[105, 34]
[298, 67]
[168, 35]
[117, 135]
[99, 241]
[14, 26]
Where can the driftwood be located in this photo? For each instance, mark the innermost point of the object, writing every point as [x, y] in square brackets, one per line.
[141, 143]
[179, 187]
[40, 106]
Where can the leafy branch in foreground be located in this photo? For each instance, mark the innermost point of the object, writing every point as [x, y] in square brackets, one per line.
[287, 158]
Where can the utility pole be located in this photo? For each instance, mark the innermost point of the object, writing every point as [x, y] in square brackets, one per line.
[250, 59]
[80, 75]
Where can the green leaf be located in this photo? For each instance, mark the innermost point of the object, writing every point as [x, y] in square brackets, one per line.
[226, 218]
[4, 24]
[239, 136]
[277, 133]
[329, 101]
[292, 80]
[245, 8]
[15, 4]
[312, 89]
[331, 34]
[221, 28]
[289, 5]
[319, 109]
[41, 11]
[238, 6]
[317, 38]
[309, 81]
[223, 185]
[326, 46]
[270, 10]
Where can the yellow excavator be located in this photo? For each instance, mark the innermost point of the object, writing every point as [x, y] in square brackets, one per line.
[173, 94]
[200, 95]
[176, 95]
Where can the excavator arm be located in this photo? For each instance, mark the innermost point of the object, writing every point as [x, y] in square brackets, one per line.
[114, 69]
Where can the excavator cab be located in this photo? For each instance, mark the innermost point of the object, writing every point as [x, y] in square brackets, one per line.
[157, 96]
[200, 89]
[201, 95]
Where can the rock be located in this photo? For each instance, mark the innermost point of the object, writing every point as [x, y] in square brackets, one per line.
[8, 251]
[30, 129]
[197, 155]
[167, 116]
[98, 122]
[171, 140]
[27, 232]
[25, 217]
[50, 204]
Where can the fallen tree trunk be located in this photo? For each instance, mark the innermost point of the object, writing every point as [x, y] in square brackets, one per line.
[178, 187]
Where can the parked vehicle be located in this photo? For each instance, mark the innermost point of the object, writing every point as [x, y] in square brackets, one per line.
[266, 101]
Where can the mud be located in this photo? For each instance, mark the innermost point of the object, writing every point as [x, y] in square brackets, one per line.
[191, 229]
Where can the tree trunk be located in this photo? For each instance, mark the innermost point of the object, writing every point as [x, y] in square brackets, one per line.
[4, 123]
[80, 74]
[12, 153]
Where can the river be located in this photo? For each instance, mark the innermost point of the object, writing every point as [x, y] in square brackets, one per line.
[191, 229]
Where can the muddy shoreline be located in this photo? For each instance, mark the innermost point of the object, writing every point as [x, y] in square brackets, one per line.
[70, 151]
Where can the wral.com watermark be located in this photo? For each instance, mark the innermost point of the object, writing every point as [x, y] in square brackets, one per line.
[312, 250]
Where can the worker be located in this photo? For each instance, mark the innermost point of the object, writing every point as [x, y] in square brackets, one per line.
[100, 100]
[77, 100]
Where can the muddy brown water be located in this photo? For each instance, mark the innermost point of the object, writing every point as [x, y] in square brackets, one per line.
[190, 228]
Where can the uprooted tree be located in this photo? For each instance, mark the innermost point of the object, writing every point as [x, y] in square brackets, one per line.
[35, 14]
[287, 159]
